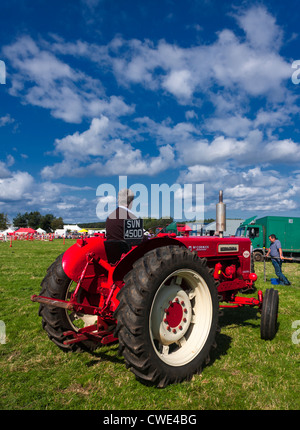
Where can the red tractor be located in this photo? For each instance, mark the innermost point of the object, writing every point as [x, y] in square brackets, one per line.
[160, 299]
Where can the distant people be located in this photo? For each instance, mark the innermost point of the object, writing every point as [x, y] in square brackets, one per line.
[115, 221]
[275, 252]
[150, 233]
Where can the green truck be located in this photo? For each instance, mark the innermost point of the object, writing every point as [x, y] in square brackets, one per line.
[286, 229]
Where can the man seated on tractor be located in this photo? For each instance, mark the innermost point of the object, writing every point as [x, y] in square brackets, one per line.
[115, 221]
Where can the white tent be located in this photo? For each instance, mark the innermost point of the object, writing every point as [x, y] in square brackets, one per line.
[9, 230]
[41, 231]
[71, 227]
[3, 234]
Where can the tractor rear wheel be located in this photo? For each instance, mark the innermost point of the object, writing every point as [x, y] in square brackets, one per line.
[56, 321]
[167, 318]
[269, 312]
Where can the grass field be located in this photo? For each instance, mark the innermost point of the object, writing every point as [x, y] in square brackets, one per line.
[245, 372]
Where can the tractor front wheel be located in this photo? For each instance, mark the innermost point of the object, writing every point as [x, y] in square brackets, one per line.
[167, 318]
[269, 312]
[56, 321]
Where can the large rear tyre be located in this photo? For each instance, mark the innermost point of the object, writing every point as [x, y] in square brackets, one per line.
[56, 321]
[269, 313]
[167, 316]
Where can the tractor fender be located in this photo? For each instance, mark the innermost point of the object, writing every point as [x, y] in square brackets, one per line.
[126, 264]
[75, 258]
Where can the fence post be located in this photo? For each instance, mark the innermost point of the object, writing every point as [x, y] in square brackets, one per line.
[264, 264]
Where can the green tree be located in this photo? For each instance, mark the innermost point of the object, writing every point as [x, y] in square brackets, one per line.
[21, 220]
[46, 222]
[153, 223]
[34, 219]
[3, 221]
[57, 223]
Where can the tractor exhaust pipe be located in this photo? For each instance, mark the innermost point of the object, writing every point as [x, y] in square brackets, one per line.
[220, 215]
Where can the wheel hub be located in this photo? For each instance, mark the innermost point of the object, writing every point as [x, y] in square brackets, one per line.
[173, 315]
[180, 317]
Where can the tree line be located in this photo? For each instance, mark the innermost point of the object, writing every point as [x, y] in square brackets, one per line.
[50, 223]
[33, 220]
[149, 223]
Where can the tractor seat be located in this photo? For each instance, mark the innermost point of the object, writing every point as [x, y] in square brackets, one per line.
[114, 249]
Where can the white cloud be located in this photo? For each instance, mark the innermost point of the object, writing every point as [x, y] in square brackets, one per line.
[16, 186]
[5, 120]
[260, 27]
[4, 171]
[283, 151]
[255, 189]
[279, 116]
[203, 152]
[44, 80]
[20, 192]
[90, 142]
[250, 64]
[179, 83]
[232, 125]
[105, 149]
[239, 66]
[190, 114]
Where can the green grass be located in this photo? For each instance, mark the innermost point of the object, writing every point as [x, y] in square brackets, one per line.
[245, 372]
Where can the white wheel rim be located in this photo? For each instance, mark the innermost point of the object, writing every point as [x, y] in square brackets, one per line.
[180, 317]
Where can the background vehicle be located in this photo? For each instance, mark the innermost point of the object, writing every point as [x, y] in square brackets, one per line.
[286, 229]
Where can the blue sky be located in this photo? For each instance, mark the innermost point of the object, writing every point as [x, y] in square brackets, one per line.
[160, 91]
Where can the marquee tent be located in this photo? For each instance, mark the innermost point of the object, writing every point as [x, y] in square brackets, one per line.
[184, 228]
[25, 231]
